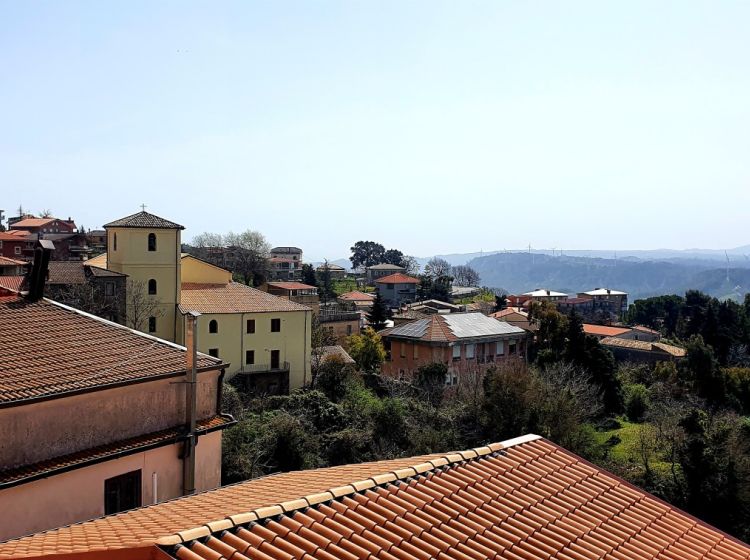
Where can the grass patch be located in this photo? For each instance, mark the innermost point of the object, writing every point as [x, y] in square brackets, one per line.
[627, 450]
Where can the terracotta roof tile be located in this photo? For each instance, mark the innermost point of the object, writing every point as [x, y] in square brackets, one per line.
[66, 272]
[80, 353]
[33, 222]
[397, 278]
[27, 473]
[232, 298]
[357, 296]
[644, 346]
[292, 286]
[6, 261]
[603, 330]
[12, 282]
[144, 220]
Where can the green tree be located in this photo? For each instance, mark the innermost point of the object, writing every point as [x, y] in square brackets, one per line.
[325, 288]
[367, 350]
[379, 313]
[702, 370]
[394, 256]
[308, 275]
[430, 381]
[366, 253]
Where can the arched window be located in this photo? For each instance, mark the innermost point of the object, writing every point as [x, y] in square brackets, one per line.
[152, 287]
[115, 241]
[152, 242]
[213, 326]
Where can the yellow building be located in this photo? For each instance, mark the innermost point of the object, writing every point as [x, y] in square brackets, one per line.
[147, 249]
[264, 338]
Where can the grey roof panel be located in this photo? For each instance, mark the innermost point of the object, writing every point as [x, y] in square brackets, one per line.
[470, 325]
[415, 329]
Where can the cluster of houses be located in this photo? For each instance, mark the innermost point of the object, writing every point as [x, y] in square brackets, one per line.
[127, 411]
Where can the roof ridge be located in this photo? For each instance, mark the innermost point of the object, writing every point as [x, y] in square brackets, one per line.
[354, 487]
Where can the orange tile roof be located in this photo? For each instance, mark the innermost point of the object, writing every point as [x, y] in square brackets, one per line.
[292, 286]
[43, 469]
[53, 350]
[99, 260]
[232, 298]
[11, 282]
[357, 296]
[6, 261]
[644, 346]
[33, 222]
[521, 499]
[144, 220]
[602, 330]
[397, 278]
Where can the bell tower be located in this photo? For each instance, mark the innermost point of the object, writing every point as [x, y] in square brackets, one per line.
[148, 249]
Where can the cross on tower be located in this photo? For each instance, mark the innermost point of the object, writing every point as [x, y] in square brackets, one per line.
[143, 207]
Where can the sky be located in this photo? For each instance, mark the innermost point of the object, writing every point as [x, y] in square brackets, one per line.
[430, 127]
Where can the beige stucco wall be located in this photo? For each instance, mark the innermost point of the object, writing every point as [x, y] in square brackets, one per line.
[56, 427]
[78, 495]
[232, 340]
[199, 272]
[133, 258]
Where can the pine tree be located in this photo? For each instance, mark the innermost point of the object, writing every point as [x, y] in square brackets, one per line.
[379, 313]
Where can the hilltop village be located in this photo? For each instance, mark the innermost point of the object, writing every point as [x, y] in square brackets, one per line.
[142, 372]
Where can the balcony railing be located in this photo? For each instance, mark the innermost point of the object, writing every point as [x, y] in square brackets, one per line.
[264, 368]
[338, 316]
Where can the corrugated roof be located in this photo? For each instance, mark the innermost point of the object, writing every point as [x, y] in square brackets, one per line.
[539, 292]
[143, 220]
[232, 298]
[397, 278]
[52, 349]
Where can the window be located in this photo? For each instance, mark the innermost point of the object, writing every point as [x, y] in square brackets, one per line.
[500, 348]
[213, 326]
[152, 287]
[213, 352]
[251, 326]
[152, 324]
[17, 250]
[415, 355]
[348, 329]
[456, 352]
[389, 286]
[470, 351]
[275, 325]
[403, 349]
[122, 492]
[512, 347]
[249, 357]
[109, 289]
[275, 359]
[152, 242]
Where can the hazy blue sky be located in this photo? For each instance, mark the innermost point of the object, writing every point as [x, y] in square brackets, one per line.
[430, 127]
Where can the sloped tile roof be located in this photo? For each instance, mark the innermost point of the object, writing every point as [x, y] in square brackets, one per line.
[144, 220]
[144, 526]
[27, 473]
[232, 298]
[292, 286]
[51, 349]
[335, 351]
[103, 272]
[522, 499]
[603, 330]
[66, 272]
[12, 282]
[644, 346]
[33, 222]
[357, 296]
[6, 261]
[397, 278]
[99, 260]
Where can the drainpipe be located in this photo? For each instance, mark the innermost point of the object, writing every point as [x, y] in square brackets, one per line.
[191, 404]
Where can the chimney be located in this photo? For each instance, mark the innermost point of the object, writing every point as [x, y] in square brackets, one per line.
[191, 404]
[37, 277]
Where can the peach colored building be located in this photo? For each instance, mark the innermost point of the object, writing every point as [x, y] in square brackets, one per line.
[465, 342]
[94, 417]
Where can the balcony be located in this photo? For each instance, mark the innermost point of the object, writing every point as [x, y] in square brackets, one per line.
[250, 369]
[335, 316]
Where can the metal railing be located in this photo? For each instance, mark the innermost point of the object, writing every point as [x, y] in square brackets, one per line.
[264, 368]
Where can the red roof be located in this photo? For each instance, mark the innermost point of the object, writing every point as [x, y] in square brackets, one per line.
[397, 278]
[5, 261]
[11, 282]
[602, 330]
[292, 286]
[33, 222]
[522, 499]
[357, 296]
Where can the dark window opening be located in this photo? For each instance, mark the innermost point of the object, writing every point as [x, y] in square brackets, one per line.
[275, 359]
[275, 325]
[213, 326]
[251, 326]
[122, 492]
[115, 241]
[152, 287]
[249, 357]
[152, 324]
[109, 289]
[213, 352]
[152, 242]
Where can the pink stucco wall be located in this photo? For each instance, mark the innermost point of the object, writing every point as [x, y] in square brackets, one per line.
[47, 429]
[78, 495]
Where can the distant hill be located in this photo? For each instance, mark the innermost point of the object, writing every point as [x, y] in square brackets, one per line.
[521, 272]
